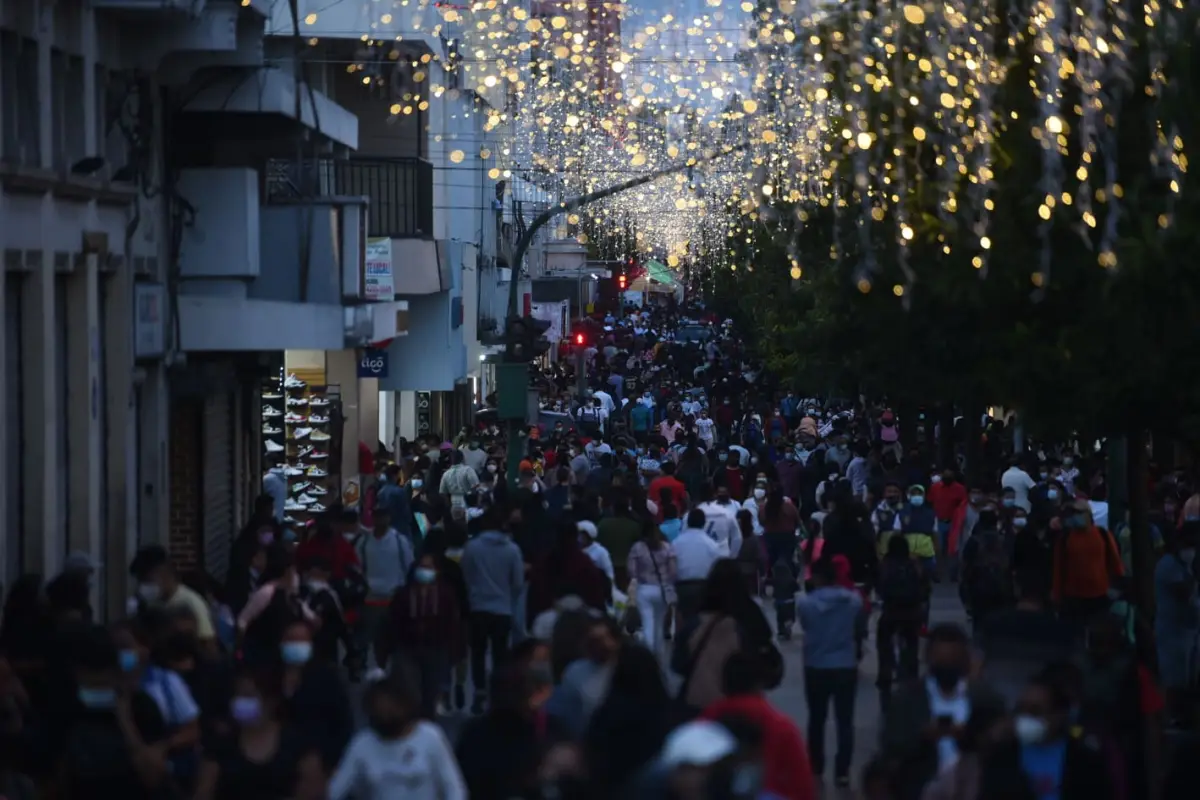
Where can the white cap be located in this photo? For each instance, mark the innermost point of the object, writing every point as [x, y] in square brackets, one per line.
[698, 744]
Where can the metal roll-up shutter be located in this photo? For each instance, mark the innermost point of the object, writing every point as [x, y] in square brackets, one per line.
[218, 482]
[14, 439]
[62, 366]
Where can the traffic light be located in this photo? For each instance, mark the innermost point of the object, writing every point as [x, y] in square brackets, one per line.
[621, 281]
[579, 339]
[524, 338]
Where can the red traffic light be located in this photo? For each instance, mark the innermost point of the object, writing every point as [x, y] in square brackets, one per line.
[621, 281]
[579, 338]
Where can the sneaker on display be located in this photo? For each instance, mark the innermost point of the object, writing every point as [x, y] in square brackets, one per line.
[305, 500]
[267, 411]
[292, 505]
[318, 454]
[305, 451]
[316, 508]
[271, 396]
[292, 472]
[293, 419]
[268, 430]
[317, 419]
[288, 520]
[319, 436]
[292, 382]
[272, 447]
[300, 487]
[316, 472]
[297, 401]
[300, 433]
[317, 491]
[318, 401]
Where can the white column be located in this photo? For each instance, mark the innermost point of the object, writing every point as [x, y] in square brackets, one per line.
[83, 405]
[44, 548]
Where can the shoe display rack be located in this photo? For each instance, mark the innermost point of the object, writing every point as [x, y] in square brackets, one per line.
[306, 445]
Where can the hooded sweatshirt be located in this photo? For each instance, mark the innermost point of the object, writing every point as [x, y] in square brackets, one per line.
[831, 617]
[494, 572]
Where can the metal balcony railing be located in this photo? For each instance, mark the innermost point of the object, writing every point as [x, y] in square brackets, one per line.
[400, 189]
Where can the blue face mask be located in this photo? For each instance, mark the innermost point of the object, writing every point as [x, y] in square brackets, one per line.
[128, 660]
[917, 500]
[424, 575]
[1009, 502]
[295, 653]
[1052, 494]
[98, 699]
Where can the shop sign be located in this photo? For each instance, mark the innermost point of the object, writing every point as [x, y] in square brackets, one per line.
[373, 364]
[149, 326]
[378, 282]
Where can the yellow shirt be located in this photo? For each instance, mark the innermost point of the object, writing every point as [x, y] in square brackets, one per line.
[186, 598]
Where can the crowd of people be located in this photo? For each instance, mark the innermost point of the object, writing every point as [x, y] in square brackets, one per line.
[609, 623]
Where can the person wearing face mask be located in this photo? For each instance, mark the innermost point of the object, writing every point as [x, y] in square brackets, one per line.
[313, 692]
[1086, 563]
[399, 754]
[1017, 480]
[1177, 615]
[1050, 762]
[318, 595]
[112, 733]
[730, 476]
[262, 757]
[925, 719]
[159, 584]
[425, 629]
[917, 523]
[397, 499]
[273, 604]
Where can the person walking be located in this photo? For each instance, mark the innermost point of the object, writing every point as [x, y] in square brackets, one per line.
[833, 621]
[652, 564]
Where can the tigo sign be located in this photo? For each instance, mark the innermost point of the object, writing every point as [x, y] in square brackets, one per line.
[373, 364]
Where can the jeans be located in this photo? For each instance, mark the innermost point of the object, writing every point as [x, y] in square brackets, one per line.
[428, 668]
[688, 594]
[370, 617]
[820, 687]
[488, 632]
[780, 547]
[520, 626]
[653, 610]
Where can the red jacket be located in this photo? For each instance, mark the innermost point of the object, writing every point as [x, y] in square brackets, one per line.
[677, 489]
[336, 550]
[787, 771]
[946, 499]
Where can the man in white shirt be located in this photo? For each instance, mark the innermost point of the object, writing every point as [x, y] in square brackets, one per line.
[720, 514]
[695, 554]
[593, 418]
[606, 401]
[1018, 480]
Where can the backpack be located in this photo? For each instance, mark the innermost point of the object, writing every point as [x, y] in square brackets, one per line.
[991, 568]
[901, 588]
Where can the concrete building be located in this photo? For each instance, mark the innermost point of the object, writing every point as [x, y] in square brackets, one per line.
[84, 230]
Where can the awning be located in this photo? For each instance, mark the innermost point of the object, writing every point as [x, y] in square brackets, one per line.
[645, 284]
[272, 91]
[660, 273]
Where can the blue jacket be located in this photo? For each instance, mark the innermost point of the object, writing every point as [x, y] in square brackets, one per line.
[832, 619]
[494, 572]
[395, 499]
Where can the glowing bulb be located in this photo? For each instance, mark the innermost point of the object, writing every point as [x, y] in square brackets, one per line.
[795, 273]
[1054, 125]
[919, 133]
[985, 243]
[906, 232]
[457, 156]
[864, 140]
[914, 15]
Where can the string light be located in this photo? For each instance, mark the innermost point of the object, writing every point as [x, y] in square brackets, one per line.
[833, 100]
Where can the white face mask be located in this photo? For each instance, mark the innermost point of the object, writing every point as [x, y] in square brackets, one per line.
[492, 468]
[149, 592]
[759, 494]
[416, 483]
[1030, 730]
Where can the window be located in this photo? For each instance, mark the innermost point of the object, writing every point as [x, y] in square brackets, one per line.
[22, 111]
[67, 131]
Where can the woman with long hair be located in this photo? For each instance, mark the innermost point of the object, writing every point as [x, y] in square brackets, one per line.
[652, 564]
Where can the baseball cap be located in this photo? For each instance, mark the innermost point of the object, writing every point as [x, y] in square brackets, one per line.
[698, 744]
[79, 561]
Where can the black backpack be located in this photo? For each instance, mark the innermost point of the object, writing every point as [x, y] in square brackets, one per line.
[901, 587]
[991, 568]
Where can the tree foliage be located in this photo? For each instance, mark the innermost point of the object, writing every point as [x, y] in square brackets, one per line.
[1102, 349]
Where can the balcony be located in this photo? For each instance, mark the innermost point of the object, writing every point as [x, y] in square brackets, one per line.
[400, 190]
[271, 277]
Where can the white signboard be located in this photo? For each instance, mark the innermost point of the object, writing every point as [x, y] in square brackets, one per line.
[552, 313]
[378, 283]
